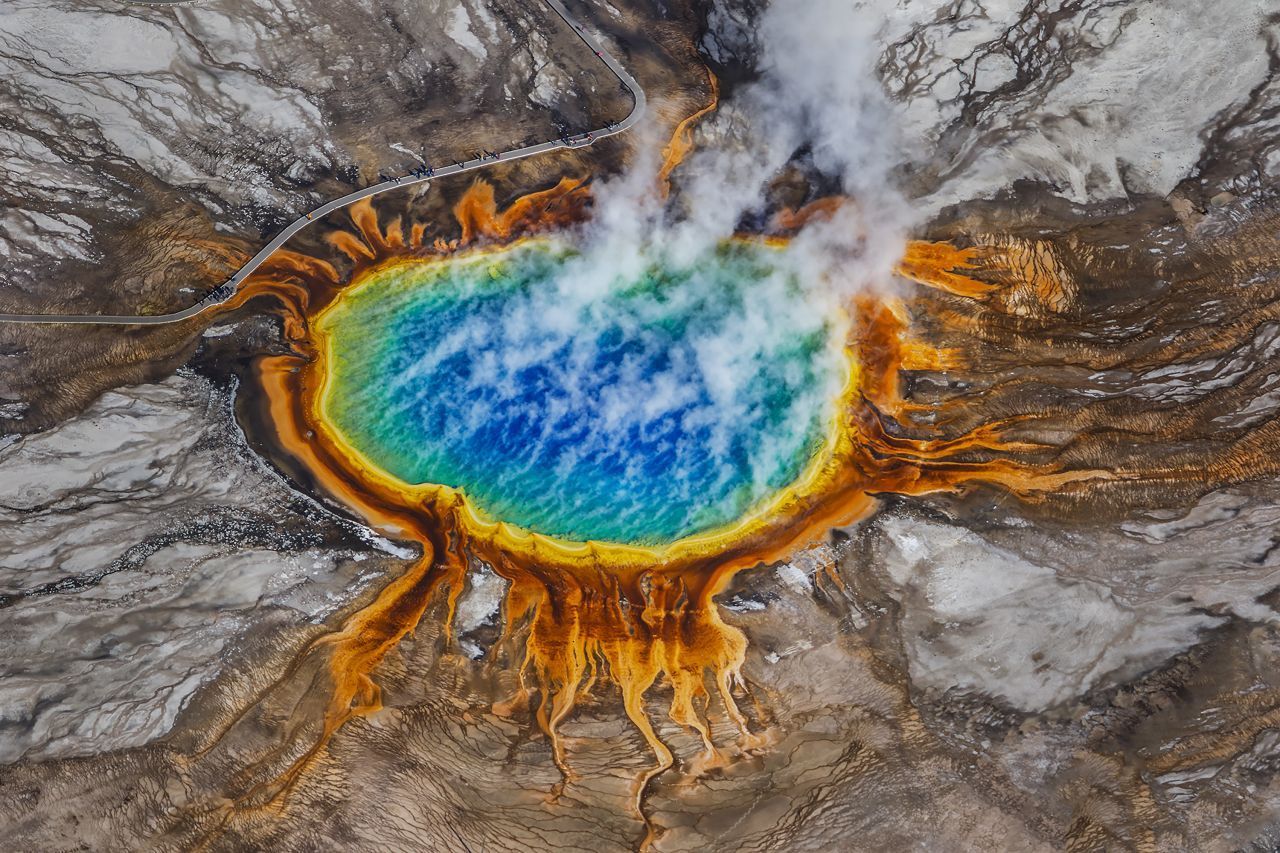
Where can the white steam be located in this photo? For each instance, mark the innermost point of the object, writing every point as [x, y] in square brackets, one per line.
[817, 98]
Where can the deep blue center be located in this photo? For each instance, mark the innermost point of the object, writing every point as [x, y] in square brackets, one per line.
[642, 411]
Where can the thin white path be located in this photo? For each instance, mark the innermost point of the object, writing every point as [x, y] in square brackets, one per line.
[226, 290]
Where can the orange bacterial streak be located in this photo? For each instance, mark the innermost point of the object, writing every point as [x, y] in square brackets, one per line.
[945, 267]
[682, 140]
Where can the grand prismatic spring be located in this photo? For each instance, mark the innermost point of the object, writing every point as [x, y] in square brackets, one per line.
[488, 425]
[478, 396]
[660, 409]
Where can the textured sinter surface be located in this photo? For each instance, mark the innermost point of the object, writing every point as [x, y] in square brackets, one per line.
[252, 108]
[637, 411]
[173, 558]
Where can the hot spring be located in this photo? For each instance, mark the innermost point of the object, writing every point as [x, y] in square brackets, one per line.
[640, 409]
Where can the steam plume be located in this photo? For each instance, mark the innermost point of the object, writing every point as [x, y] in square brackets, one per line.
[817, 103]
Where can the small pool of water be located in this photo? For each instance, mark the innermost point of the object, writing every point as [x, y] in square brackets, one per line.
[639, 410]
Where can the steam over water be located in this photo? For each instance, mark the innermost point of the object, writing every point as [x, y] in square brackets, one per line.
[650, 410]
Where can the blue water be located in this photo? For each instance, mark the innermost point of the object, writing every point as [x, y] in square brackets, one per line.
[643, 413]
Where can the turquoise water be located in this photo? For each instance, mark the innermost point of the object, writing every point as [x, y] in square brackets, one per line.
[637, 411]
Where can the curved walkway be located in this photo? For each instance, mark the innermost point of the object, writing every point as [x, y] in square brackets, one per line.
[226, 290]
